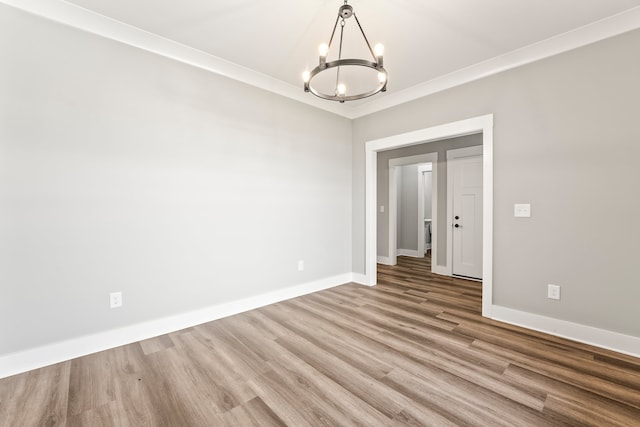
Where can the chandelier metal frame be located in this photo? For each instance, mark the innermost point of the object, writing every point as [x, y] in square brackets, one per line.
[345, 12]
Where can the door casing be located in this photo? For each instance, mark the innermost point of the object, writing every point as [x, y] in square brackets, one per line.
[480, 124]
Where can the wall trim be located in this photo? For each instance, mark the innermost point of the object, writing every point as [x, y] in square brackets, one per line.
[480, 124]
[422, 169]
[612, 26]
[460, 153]
[410, 253]
[384, 260]
[439, 269]
[39, 357]
[92, 22]
[415, 160]
[626, 344]
[392, 246]
[358, 278]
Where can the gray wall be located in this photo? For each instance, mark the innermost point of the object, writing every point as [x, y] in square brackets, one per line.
[439, 147]
[125, 171]
[408, 211]
[566, 140]
[122, 170]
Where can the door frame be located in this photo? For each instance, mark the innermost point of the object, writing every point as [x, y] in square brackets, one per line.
[480, 124]
[422, 169]
[458, 153]
[394, 170]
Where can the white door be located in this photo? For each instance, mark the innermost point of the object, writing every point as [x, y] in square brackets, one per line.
[467, 216]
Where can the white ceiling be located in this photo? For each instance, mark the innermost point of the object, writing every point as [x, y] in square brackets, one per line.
[424, 39]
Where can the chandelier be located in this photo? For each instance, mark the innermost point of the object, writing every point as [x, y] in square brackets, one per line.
[339, 91]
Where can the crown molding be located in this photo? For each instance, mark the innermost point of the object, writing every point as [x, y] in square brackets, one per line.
[77, 17]
[86, 20]
[581, 36]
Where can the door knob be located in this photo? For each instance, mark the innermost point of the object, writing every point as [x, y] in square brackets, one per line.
[456, 226]
[457, 217]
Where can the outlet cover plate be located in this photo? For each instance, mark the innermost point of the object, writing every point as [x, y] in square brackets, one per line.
[553, 291]
[115, 299]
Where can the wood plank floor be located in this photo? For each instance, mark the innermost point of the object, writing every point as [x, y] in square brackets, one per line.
[412, 351]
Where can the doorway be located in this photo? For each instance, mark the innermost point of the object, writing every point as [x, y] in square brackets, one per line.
[483, 125]
[416, 230]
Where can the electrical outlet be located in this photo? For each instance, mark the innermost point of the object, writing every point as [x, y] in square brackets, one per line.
[553, 291]
[115, 299]
[522, 210]
[381, 208]
[300, 265]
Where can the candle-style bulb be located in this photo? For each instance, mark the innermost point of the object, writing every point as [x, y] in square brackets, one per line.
[324, 49]
[379, 49]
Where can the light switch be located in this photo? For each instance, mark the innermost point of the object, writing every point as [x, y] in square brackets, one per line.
[381, 208]
[522, 210]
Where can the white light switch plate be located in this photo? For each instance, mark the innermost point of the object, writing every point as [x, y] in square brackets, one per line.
[522, 210]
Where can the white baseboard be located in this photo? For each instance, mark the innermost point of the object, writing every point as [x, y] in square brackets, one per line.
[615, 341]
[440, 269]
[384, 260]
[410, 252]
[27, 360]
[360, 279]
[39, 357]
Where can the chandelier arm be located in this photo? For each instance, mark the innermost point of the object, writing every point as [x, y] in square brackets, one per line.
[339, 56]
[366, 40]
[333, 33]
